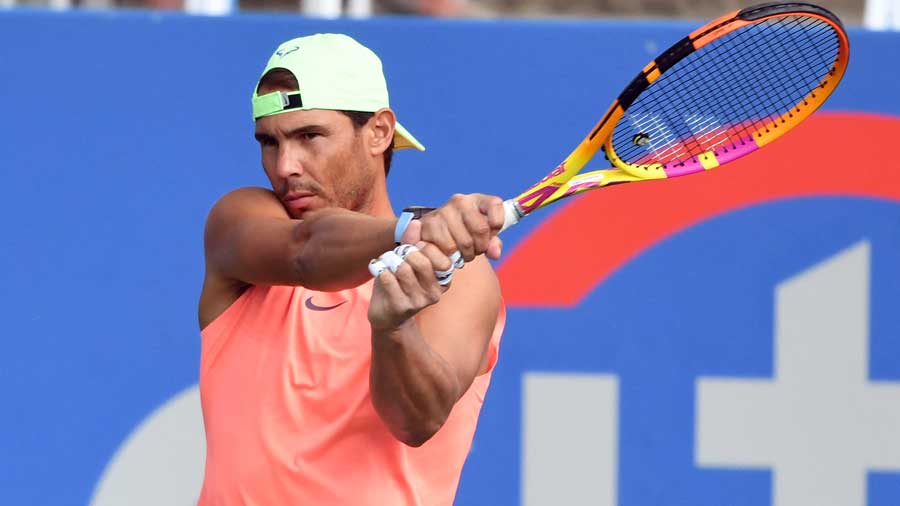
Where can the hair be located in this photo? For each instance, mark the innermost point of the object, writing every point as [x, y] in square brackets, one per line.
[283, 79]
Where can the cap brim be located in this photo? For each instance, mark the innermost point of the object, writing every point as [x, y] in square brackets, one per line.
[403, 139]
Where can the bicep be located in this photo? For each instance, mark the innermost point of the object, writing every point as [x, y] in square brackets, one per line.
[460, 326]
[250, 238]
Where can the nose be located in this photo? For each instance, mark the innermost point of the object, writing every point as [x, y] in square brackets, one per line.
[289, 163]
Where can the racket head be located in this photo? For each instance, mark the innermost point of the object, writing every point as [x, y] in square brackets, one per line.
[727, 89]
[730, 87]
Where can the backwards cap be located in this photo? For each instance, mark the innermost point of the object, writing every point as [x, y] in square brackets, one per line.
[334, 72]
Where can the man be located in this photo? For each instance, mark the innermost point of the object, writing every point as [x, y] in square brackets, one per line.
[320, 385]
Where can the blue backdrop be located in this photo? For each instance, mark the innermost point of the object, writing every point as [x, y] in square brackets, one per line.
[121, 129]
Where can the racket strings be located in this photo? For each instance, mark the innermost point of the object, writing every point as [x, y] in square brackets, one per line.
[720, 95]
[749, 91]
[803, 55]
[780, 91]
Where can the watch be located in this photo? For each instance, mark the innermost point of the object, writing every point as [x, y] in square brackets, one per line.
[410, 213]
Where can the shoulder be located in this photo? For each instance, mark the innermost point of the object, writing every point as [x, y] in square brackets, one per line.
[239, 207]
[245, 199]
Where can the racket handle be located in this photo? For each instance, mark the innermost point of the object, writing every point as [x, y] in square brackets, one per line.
[512, 213]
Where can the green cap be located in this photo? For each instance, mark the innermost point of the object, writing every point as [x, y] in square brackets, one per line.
[334, 72]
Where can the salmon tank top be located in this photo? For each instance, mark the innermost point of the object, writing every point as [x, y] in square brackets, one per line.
[284, 386]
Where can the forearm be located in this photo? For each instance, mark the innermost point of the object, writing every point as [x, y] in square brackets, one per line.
[335, 247]
[413, 388]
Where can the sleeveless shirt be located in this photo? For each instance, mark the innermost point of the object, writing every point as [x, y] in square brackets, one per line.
[284, 386]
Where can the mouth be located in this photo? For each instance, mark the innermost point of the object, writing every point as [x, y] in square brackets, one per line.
[298, 200]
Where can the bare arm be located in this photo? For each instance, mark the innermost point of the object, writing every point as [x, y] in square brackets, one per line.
[422, 367]
[251, 239]
[429, 345]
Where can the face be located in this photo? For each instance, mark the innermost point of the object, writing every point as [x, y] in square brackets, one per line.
[316, 159]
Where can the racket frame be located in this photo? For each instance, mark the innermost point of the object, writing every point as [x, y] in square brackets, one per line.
[565, 180]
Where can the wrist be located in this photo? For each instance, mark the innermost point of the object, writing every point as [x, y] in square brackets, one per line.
[403, 232]
[403, 222]
[393, 334]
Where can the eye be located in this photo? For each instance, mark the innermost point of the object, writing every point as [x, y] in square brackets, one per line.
[308, 136]
[267, 142]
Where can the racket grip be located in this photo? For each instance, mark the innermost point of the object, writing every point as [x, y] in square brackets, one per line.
[512, 213]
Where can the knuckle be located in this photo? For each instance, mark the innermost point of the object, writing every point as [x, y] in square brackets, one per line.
[480, 227]
[418, 260]
[404, 271]
[405, 308]
[447, 247]
[415, 304]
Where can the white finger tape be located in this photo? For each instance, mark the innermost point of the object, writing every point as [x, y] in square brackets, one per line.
[457, 259]
[444, 277]
[391, 260]
[376, 267]
[404, 250]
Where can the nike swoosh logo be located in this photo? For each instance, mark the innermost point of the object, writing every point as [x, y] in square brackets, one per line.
[312, 305]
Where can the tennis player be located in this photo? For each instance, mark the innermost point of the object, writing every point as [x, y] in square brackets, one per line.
[320, 385]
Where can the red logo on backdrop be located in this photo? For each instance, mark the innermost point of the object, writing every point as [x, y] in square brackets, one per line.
[604, 229]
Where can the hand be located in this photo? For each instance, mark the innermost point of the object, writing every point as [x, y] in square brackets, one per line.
[466, 223]
[408, 286]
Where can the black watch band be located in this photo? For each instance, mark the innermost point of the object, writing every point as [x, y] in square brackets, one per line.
[418, 211]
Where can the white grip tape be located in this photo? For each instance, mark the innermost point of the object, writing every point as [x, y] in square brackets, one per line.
[511, 214]
[391, 260]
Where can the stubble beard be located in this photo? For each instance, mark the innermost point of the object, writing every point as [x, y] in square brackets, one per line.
[357, 195]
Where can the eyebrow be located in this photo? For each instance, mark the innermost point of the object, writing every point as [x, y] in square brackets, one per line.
[306, 129]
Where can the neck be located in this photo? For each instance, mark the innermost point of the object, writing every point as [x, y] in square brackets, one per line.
[380, 203]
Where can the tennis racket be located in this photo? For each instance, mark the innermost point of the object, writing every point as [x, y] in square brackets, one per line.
[729, 88]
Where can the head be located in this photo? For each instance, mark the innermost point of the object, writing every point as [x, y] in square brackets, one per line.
[325, 128]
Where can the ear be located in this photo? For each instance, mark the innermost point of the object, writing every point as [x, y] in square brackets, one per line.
[382, 130]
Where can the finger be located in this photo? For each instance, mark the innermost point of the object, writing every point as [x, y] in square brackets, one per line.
[413, 233]
[376, 267]
[418, 295]
[495, 248]
[443, 266]
[479, 229]
[462, 238]
[438, 259]
[435, 231]
[424, 271]
[394, 299]
[492, 207]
